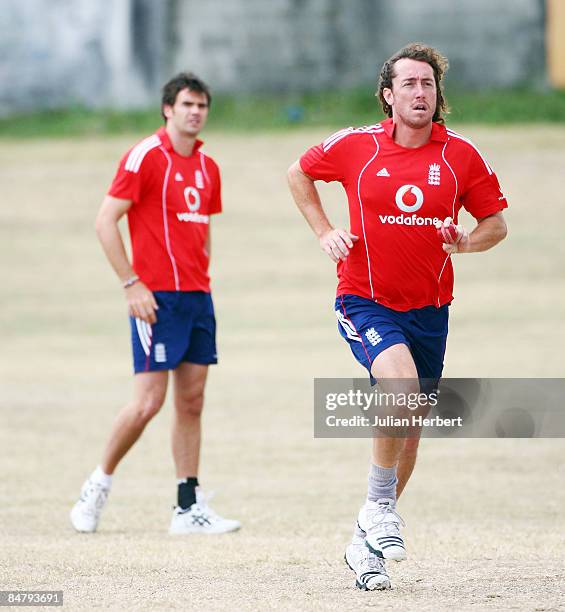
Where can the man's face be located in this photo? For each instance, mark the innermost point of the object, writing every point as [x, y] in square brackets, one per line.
[413, 96]
[189, 112]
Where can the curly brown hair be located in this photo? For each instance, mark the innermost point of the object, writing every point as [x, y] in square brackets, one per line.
[421, 53]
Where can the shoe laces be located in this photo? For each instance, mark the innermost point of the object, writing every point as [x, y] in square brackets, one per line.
[369, 562]
[95, 496]
[202, 502]
[387, 517]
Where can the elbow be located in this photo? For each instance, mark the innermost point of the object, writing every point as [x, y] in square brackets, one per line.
[293, 172]
[503, 231]
[103, 220]
[99, 224]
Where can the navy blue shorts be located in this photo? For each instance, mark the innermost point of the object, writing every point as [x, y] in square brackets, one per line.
[185, 331]
[370, 328]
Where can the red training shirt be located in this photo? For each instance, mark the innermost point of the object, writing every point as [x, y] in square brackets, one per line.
[173, 197]
[395, 194]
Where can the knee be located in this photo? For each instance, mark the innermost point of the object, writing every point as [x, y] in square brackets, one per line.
[147, 407]
[411, 446]
[190, 405]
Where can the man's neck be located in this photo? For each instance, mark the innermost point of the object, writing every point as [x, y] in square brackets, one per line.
[182, 144]
[410, 137]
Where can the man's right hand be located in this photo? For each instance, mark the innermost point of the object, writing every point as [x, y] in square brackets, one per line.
[337, 242]
[141, 303]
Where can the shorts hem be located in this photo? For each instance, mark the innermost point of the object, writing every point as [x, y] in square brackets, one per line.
[155, 368]
[200, 361]
[162, 368]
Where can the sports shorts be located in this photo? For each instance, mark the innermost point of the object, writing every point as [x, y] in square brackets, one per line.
[370, 328]
[185, 331]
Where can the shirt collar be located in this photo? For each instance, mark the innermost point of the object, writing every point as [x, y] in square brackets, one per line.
[439, 131]
[164, 138]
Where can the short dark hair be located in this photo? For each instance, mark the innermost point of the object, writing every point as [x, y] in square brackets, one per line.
[421, 53]
[183, 80]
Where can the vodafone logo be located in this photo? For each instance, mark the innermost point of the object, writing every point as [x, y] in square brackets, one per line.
[192, 198]
[409, 198]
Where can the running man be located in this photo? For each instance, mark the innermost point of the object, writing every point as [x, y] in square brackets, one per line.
[403, 177]
[169, 189]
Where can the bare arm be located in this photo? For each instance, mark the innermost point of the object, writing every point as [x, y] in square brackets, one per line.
[336, 242]
[141, 302]
[488, 233]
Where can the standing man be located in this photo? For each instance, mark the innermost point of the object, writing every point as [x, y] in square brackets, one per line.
[402, 177]
[169, 189]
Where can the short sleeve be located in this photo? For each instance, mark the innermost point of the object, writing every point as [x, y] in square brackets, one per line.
[127, 183]
[215, 207]
[326, 161]
[483, 196]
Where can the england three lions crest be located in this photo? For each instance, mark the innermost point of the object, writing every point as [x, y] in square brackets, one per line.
[434, 175]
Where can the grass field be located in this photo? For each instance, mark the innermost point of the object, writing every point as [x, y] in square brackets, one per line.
[295, 111]
[484, 517]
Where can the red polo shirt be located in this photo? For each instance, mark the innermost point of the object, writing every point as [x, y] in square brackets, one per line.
[395, 194]
[173, 197]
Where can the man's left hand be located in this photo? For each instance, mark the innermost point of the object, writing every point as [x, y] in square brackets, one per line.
[460, 243]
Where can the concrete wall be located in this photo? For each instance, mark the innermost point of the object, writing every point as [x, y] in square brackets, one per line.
[308, 44]
[489, 43]
[57, 53]
[118, 52]
[279, 45]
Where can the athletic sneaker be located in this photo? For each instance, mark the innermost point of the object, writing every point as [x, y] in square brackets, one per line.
[86, 512]
[200, 518]
[369, 568]
[382, 523]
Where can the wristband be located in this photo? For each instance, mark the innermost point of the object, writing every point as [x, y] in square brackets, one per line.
[130, 281]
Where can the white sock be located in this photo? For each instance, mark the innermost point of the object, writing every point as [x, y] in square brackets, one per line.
[382, 483]
[101, 477]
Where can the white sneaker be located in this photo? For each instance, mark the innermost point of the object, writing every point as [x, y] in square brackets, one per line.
[369, 568]
[382, 523]
[200, 518]
[86, 512]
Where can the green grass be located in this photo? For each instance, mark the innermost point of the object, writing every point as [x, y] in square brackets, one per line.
[259, 112]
